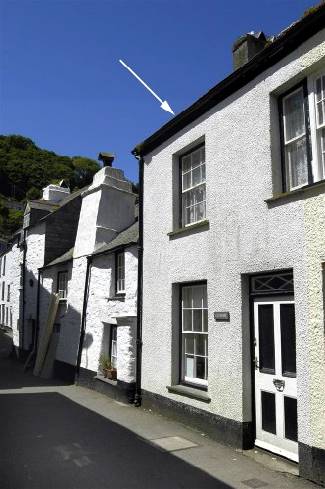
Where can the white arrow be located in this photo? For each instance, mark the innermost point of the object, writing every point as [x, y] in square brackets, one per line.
[163, 104]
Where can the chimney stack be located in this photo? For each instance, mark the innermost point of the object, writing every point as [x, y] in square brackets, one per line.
[106, 158]
[246, 47]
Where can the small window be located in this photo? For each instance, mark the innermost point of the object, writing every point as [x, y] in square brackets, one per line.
[193, 188]
[63, 285]
[194, 332]
[10, 318]
[3, 291]
[120, 273]
[8, 293]
[7, 316]
[113, 346]
[4, 265]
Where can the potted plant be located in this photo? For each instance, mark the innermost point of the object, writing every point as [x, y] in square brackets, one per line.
[107, 368]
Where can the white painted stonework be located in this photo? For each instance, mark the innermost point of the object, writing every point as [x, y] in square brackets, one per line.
[245, 236]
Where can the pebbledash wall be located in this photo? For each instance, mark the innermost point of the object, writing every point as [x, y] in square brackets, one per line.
[245, 235]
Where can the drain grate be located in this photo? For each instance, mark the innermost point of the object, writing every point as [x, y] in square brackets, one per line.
[172, 443]
[255, 483]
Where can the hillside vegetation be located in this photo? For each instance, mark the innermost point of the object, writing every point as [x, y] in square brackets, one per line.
[25, 169]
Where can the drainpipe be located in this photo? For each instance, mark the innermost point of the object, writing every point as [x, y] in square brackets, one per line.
[83, 317]
[22, 324]
[138, 396]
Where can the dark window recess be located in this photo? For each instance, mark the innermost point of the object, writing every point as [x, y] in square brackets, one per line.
[266, 338]
[288, 339]
[290, 418]
[268, 412]
[272, 284]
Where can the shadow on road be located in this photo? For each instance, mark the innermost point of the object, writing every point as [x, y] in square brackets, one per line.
[48, 441]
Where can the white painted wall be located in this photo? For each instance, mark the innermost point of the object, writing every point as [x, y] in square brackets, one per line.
[104, 310]
[245, 236]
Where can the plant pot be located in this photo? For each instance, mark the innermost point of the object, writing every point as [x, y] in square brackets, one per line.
[112, 374]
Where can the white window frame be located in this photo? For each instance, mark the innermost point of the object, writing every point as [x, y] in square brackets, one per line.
[185, 191]
[62, 284]
[315, 143]
[186, 333]
[120, 272]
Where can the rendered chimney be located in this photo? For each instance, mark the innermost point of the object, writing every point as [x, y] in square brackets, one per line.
[55, 193]
[246, 47]
[106, 158]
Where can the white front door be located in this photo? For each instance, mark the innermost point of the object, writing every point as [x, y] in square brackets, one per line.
[275, 376]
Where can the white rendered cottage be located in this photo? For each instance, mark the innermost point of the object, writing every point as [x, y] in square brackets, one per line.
[234, 252]
[96, 281]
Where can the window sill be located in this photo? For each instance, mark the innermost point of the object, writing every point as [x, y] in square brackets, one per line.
[191, 392]
[104, 379]
[119, 297]
[197, 226]
[301, 193]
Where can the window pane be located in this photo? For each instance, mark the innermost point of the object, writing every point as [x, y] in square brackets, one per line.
[186, 180]
[197, 320]
[296, 153]
[318, 89]
[294, 115]
[203, 173]
[197, 292]
[187, 320]
[268, 412]
[196, 176]
[320, 113]
[189, 367]
[187, 296]
[200, 368]
[290, 417]
[189, 344]
[266, 338]
[186, 163]
[199, 194]
[196, 158]
[205, 320]
[288, 339]
[200, 211]
[200, 344]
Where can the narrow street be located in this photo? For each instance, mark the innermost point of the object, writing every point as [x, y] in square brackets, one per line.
[58, 436]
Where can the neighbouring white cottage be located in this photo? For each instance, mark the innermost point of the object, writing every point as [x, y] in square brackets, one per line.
[96, 281]
[234, 252]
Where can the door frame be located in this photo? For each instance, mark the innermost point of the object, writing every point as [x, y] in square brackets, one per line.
[252, 297]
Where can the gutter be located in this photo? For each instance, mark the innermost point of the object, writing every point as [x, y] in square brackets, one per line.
[282, 46]
[138, 392]
[83, 317]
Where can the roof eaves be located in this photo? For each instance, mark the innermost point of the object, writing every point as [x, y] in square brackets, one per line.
[287, 41]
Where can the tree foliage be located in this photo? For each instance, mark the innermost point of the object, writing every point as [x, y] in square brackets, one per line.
[25, 169]
[24, 166]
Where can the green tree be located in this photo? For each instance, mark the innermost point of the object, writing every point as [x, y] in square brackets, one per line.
[84, 170]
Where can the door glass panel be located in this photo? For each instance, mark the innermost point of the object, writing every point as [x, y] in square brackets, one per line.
[290, 418]
[268, 412]
[266, 338]
[288, 339]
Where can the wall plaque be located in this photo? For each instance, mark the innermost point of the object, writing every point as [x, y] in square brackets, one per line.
[221, 316]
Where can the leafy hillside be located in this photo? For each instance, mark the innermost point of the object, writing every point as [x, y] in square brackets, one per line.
[25, 169]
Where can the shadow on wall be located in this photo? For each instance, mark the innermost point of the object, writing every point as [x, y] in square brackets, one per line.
[80, 448]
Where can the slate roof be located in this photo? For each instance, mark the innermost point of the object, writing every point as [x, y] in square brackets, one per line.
[129, 236]
[67, 256]
[126, 237]
[285, 43]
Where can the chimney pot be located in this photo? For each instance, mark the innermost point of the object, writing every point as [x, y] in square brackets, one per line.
[106, 158]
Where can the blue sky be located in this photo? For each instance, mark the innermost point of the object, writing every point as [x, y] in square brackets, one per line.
[61, 83]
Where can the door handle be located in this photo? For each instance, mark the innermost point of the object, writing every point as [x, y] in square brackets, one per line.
[279, 384]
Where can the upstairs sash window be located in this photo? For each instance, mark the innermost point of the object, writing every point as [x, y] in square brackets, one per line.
[193, 188]
[120, 273]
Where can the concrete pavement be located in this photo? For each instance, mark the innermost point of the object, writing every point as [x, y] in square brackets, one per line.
[56, 436]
